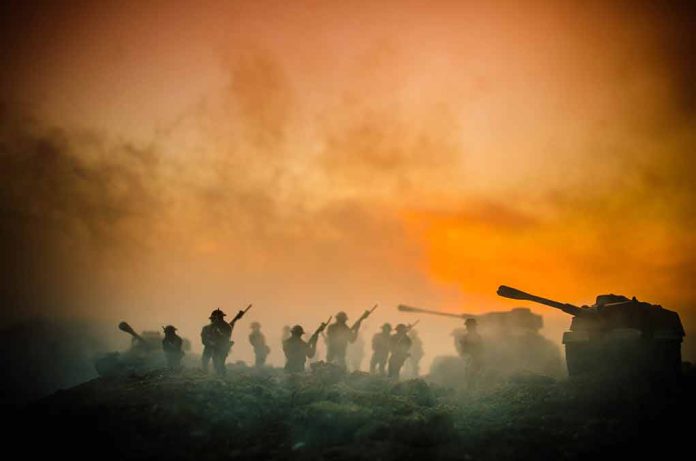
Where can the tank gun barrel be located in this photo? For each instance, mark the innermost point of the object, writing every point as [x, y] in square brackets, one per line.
[123, 326]
[514, 293]
[418, 310]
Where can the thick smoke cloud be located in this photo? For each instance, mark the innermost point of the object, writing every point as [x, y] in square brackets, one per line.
[326, 167]
[66, 198]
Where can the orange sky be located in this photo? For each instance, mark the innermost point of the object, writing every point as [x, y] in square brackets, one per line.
[162, 158]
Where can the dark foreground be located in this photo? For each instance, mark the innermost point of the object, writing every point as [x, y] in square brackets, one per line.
[264, 414]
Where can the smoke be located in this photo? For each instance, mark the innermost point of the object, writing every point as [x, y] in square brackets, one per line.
[46, 356]
[67, 201]
[313, 165]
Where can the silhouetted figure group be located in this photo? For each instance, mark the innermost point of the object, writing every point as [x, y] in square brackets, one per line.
[338, 336]
[390, 351]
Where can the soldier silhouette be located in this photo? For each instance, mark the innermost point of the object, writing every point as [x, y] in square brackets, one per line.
[172, 345]
[258, 342]
[355, 354]
[297, 351]
[285, 334]
[339, 334]
[400, 344]
[416, 354]
[217, 340]
[471, 348]
[380, 350]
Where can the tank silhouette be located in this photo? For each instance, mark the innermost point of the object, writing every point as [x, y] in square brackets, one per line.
[512, 343]
[145, 353]
[616, 334]
[515, 320]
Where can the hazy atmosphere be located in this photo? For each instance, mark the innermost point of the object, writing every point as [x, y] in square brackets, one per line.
[164, 158]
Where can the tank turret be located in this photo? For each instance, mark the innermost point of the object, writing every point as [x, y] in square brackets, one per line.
[145, 353]
[517, 319]
[616, 334]
[513, 342]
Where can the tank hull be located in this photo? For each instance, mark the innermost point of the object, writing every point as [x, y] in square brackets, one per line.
[621, 353]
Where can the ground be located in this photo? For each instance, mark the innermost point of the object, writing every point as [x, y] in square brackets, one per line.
[266, 414]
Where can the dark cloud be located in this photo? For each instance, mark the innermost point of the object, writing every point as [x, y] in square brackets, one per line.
[76, 204]
[63, 194]
[673, 23]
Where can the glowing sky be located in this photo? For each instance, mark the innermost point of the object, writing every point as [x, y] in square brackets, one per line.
[162, 158]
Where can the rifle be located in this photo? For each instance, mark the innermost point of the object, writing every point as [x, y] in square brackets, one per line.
[123, 326]
[404, 308]
[319, 330]
[365, 315]
[405, 336]
[240, 314]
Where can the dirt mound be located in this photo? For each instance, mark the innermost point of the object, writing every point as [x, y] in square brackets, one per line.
[267, 414]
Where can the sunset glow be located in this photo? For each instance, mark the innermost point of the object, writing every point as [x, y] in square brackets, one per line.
[314, 156]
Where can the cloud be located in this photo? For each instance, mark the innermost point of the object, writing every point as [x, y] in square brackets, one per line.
[63, 194]
[346, 161]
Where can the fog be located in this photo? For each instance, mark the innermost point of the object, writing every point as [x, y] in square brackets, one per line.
[158, 162]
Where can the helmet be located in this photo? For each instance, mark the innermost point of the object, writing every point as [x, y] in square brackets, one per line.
[341, 316]
[470, 322]
[169, 328]
[297, 330]
[217, 313]
[255, 325]
[386, 327]
[401, 327]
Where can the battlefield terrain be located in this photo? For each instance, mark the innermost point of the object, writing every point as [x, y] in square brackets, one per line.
[326, 414]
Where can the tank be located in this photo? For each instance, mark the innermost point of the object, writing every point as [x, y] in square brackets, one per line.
[616, 335]
[516, 320]
[512, 342]
[145, 353]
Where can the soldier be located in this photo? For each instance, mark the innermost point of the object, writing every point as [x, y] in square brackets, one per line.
[355, 354]
[297, 351]
[172, 345]
[217, 340]
[416, 353]
[470, 346]
[285, 334]
[339, 334]
[399, 345]
[380, 350]
[258, 341]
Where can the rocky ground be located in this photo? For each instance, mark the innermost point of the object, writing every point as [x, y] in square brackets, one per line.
[265, 414]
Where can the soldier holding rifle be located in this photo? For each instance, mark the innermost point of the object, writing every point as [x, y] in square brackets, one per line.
[217, 339]
[297, 351]
[339, 334]
[400, 344]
